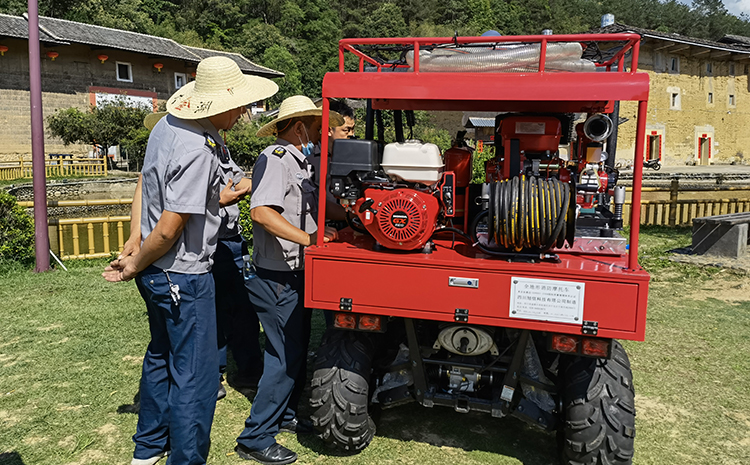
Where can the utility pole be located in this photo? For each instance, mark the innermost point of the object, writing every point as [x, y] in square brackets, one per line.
[41, 231]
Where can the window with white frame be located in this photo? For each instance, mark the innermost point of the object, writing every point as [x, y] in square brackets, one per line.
[674, 101]
[731, 69]
[709, 68]
[731, 100]
[180, 79]
[124, 71]
[710, 97]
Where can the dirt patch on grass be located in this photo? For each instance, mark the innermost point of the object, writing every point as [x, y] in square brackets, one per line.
[91, 456]
[7, 419]
[34, 440]
[108, 433]
[733, 291]
[13, 341]
[651, 408]
[50, 327]
[134, 359]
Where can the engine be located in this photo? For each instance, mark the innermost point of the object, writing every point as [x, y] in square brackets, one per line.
[403, 193]
[398, 199]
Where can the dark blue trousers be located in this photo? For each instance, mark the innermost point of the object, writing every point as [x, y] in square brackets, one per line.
[178, 384]
[236, 321]
[278, 299]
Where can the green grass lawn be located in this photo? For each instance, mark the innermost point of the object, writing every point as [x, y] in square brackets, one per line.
[71, 346]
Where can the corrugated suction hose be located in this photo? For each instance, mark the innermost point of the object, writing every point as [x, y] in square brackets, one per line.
[529, 213]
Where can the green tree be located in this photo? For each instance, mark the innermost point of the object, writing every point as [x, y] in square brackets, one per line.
[244, 145]
[386, 21]
[278, 58]
[106, 125]
[16, 231]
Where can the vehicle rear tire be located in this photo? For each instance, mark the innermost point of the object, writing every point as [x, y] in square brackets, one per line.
[340, 390]
[599, 410]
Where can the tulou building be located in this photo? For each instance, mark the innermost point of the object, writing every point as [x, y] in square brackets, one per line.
[699, 102]
[84, 65]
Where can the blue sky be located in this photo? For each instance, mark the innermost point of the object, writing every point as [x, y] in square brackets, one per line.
[734, 6]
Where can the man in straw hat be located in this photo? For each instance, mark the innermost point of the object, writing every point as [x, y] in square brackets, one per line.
[284, 210]
[180, 222]
[237, 324]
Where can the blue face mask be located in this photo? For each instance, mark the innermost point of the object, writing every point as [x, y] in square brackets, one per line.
[307, 149]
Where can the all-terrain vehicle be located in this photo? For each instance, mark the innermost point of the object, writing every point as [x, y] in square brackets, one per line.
[503, 296]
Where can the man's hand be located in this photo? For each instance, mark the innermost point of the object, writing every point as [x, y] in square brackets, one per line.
[131, 247]
[230, 197]
[122, 269]
[329, 234]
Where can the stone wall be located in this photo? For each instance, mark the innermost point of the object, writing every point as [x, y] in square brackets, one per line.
[70, 81]
[680, 111]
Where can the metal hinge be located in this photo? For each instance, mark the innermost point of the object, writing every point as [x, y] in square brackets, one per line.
[590, 328]
[345, 304]
[461, 315]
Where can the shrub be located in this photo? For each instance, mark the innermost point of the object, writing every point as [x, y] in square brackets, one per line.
[16, 231]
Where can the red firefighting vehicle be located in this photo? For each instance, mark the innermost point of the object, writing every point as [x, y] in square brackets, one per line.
[504, 296]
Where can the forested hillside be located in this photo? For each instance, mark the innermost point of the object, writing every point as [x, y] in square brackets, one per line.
[299, 37]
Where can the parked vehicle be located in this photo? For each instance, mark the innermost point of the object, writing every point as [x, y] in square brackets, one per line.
[654, 164]
[503, 297]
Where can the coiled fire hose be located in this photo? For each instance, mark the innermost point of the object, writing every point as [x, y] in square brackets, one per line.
[529, 213]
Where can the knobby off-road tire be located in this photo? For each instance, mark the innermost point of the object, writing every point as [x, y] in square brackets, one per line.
[340, 394]
[599, 409]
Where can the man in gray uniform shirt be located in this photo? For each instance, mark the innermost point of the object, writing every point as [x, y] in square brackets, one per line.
[180, 223]
[284, 210]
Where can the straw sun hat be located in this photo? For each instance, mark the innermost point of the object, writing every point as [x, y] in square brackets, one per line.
[219, 86]
[152, 118]
[297, 106]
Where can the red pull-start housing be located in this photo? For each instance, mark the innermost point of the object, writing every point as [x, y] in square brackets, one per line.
[401, 219]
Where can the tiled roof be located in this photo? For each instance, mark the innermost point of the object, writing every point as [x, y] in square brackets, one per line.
[18, 28]
[66, 32]
[244, 64]
[742, 41]
[618, 28]
[477, 122]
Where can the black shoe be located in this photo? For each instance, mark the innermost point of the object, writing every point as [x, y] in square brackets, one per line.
[222, 392]
[297, 426]
[275, 454]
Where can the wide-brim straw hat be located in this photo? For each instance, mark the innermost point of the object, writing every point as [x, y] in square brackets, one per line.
[298, 106]
[219, 86]
[152, 118]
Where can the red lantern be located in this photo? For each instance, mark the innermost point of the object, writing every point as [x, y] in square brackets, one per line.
[53, 55]
[192, 74]
[102, 58]
[3, 49]
[158, 66]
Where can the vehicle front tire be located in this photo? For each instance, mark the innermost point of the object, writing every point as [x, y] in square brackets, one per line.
[341, 389]
[599, 411]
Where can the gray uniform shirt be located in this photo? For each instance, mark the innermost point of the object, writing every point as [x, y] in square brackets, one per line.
[230, 215]
[181, 174]
[282, 179]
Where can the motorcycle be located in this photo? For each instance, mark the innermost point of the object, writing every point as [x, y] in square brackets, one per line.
[654, 164]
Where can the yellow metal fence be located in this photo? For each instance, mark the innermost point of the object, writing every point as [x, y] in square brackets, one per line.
[100, 236]
[55, 166]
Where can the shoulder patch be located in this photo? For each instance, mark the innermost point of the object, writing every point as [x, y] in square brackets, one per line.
[279, 151]
[216, 148]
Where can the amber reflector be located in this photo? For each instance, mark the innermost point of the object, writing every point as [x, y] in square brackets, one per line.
[345, 320]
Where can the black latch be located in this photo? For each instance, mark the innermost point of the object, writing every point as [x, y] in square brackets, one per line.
[590, 327]
[461, 315]
[345, 304]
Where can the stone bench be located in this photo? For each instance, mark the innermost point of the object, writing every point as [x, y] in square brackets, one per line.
[722, 235]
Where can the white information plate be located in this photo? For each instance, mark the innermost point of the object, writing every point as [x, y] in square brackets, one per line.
[547, 300]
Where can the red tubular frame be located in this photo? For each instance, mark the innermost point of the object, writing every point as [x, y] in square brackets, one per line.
[540, 91]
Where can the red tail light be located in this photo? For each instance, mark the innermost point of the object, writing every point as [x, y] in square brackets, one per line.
[369, 323]
[345, 320]
[564, 343]
[596, 347]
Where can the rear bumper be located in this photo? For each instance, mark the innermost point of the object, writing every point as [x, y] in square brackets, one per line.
[416, 285]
